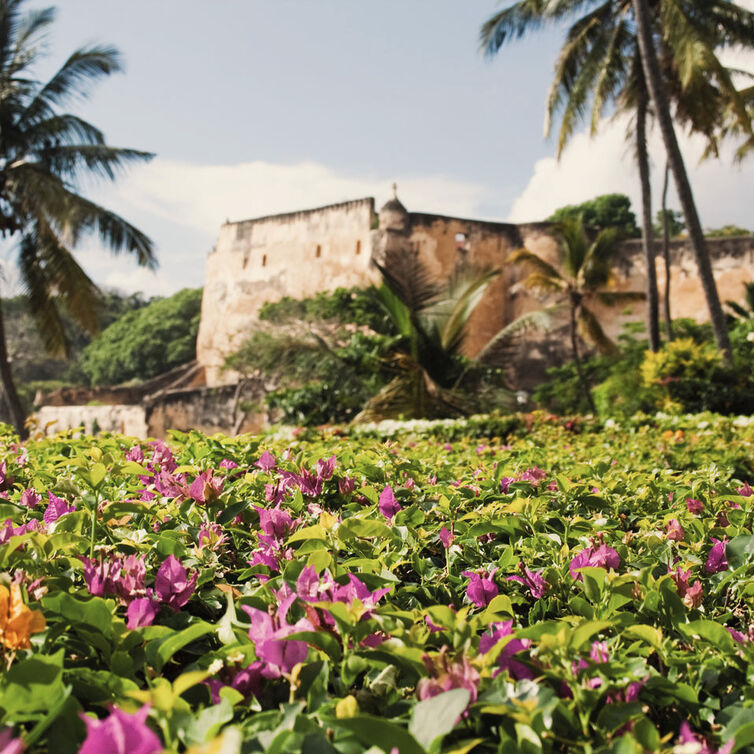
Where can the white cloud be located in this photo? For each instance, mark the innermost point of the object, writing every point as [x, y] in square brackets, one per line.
[605, 164]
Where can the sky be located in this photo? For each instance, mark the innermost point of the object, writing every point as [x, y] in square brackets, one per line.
[253, 107]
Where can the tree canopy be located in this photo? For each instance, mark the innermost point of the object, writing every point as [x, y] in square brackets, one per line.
[146, 342]
[606, 211]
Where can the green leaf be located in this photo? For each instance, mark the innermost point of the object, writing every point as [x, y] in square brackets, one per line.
[648, 634]
[594, 582]
[95, 611]
[32, 685]
[435, 717]
[710, 631]
[322, 640]
[740, 550]
[308, 532]
[369, 730]
[96, 474]
[354, 527]
[585, 631]
[159, 651]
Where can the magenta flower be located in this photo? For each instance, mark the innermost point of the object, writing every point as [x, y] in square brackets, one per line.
[56, 508]
[7, 530]
[247, 681]
[716, 560]
[120, 733]
[687, 737]
[446, 674]
[594, 557]
[505, 482]
[119, 576]
[206, 487]
[10, 745]
[534, 582]
[746, 490]
[226, 463]
[211, 536]
[30, 498]
[675, 531]
[325, 468]
[446, 537]
[172, 584]
[135, 454]
[694, 506]
[269, 636]
[481, 589]
[506, 659]
[346, 485]
[388, 505]
[738, 636]
[266, 461]
[690, 594]
[275, 522]
[142, 612]
[533, 476]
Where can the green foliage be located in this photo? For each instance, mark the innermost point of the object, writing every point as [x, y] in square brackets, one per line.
[146, 342]
[358, 306]
[676, 223]
[727, 230]
[606, 211]
[687, 376]
[317, 587]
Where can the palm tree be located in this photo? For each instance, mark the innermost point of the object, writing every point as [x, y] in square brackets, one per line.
[43, 154]
[432, 321]
[581, 277]
[601, 61]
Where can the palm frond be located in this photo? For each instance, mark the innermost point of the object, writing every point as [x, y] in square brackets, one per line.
[534, 262]
[406, 275]
[497, 352]
[597, 264]
[592, 331]
[543, 283]
[615, 298]
[67, 161]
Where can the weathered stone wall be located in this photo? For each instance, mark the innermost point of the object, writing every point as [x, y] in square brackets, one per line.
[262, 260]
[125, 420]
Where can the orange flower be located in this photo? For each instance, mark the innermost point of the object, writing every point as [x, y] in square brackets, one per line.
[17, 620]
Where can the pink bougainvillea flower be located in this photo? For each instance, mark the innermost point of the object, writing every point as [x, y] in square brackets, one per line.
[142, 612]
[388, 505]
[675, 531]
[690, 594]
[120, 733]
[266, 461]
[505, 482]
[309, 483]
[269, 634]
[30, 498]
[206, 487]
[116, 575]
[162, 457]
[698, 744]
[446, 674]
[226, 463]
[172, 584]
[532, 580]
[325, 468]
[694, 506]
[716, 560]
[247, 681]
[210, 536]
[746, 490]
[738, 636]
[10, 745]
[481, 589]
[594, 557]
[135, 454]
[7, 530]
[346, 485]
[446, 537]
[275, 522]
[506, 659]
[534, 475]
[56, 508]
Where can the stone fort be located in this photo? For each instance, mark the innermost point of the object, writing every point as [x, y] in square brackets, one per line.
[300, 253]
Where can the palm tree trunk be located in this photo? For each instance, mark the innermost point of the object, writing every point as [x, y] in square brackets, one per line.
[647, 234]
[577, 361]
[666, 251]
[683, 188]
[9, 386]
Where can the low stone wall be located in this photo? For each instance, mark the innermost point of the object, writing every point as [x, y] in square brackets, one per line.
[124, 419]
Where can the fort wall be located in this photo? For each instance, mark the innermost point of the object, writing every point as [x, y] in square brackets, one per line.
[258, 261]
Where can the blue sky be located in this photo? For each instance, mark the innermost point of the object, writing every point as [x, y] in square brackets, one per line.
[259, 106]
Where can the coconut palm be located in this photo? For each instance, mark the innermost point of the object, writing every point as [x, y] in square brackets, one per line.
[433, 321]
[580, 279]
[43, 154]
[600, 65]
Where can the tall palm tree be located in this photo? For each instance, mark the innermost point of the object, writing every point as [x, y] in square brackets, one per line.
[43, 154]
[580, 279]
[600, 61]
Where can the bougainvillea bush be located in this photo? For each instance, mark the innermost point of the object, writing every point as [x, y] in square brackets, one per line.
[563, 587]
